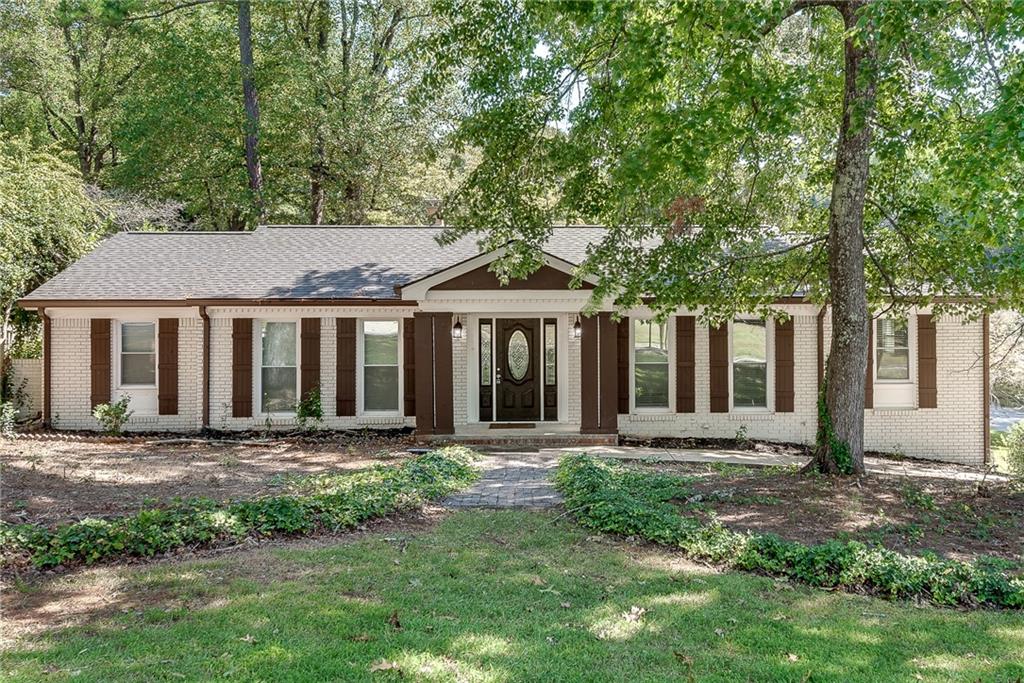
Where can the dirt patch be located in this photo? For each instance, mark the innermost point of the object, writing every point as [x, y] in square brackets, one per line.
[51, 482]
[909, 515]
[36, 602]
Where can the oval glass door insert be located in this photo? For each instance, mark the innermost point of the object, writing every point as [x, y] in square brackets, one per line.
[518, 355]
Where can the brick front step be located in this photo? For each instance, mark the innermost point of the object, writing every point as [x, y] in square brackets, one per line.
[523, 440]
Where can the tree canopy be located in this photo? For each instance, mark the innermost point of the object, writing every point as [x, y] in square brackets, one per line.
[148, 96]
[849, 151]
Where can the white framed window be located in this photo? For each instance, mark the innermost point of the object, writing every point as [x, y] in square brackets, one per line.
[279, 376]
[381, 366]
[650, 365]
[892, 350]
[137, 351]
[750, 372]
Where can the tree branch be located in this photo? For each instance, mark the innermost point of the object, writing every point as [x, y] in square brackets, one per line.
[169, 10]
[795, 8]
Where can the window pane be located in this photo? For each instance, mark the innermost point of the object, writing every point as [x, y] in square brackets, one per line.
[549, 355]
[485, 354]
[380, 388]
[750, 341]
[893, 364]
[893, 334]
[138, 337]
[138, 368]
[278, 344]
[380, 342]
[650, 343]
[750, 385]
[279, 395]
[651, 385]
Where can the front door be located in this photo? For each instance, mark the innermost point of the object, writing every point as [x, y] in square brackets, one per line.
[517, 370]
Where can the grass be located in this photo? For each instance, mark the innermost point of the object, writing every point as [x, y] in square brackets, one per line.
[502, 596]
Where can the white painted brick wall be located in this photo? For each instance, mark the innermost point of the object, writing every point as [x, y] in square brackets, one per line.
[460, 374]
[953, 432]
[27, 376]
[795, 427]
[573, 385]
[70, 406]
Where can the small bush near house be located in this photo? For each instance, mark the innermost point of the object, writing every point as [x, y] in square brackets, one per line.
[309, 412]
[8, 417]
[611, 497]
[1014, 444]
[339, 502]
[113, 416]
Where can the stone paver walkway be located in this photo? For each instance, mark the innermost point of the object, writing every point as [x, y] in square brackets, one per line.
[522, 479]
[511, 480]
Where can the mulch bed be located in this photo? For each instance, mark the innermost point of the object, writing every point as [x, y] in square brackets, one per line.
[56, 481]
[909, 515]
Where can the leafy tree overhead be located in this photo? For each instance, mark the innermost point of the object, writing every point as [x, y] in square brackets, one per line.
[852, 151]
[46, 222]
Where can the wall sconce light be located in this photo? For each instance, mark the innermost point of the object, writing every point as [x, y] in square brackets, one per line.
[577, 329]
[457, 329]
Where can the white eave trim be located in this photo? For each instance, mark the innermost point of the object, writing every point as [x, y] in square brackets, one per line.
[417, 290]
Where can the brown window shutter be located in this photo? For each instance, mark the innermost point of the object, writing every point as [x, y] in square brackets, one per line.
[309, 372]
[423, 332]
[100, 358]
[444, 397]
[589, 403]
[346, 364]
[624, 383]
[869, 378]
[784, 388]
[241, 367]
[409, 366]
[686, 377]
[167, 367]
[608, 364]
[718, 363]
[927, 363]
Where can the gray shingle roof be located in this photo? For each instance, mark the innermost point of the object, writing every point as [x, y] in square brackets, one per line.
[273, 263]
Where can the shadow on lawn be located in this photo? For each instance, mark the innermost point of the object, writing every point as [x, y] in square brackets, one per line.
[505, 596]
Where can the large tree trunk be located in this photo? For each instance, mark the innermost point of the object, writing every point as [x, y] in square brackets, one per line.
[252, 107]
[318, 167]
[840, 446]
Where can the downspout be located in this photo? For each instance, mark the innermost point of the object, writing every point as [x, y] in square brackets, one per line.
[986, 390]
[47, 334]
[206, 366]
[821, 347]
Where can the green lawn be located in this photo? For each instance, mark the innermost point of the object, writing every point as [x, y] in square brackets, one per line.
[503, 596]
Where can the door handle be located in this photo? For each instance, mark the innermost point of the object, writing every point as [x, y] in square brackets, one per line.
[497, 377]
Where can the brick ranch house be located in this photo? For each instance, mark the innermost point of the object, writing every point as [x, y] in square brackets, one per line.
[228, 330]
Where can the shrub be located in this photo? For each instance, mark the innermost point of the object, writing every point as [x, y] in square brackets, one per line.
[340, 501]
[611, 497]
[8, 418]
[113, 416]
[309, 412]
[1014, 442]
